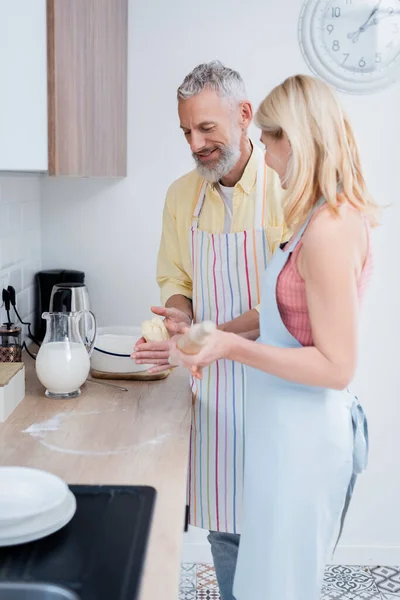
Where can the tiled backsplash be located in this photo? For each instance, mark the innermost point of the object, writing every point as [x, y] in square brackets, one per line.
[20, 240]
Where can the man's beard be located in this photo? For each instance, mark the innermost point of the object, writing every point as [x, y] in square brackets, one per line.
[229, 157]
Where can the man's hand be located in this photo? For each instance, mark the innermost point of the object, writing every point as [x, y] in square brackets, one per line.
[247, 324]
[157, 353]
[175, 320]
[153, 353]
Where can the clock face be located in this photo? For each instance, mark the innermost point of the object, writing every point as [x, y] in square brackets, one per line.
[353, 44]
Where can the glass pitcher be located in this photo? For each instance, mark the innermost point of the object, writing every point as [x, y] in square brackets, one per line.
[63, 363]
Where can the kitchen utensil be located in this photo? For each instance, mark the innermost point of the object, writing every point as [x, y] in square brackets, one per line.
[113, 348]
[112, 385]
[69, 297]
[73, 297]
[63, 363]
[10, 343]
[26, 492]
[44, 283]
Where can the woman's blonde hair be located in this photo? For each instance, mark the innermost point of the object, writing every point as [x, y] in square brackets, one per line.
[325, 159]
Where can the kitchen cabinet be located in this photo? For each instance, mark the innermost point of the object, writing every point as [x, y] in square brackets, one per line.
[110, 437]
[87, 77]
[23, 84]
[63, 69]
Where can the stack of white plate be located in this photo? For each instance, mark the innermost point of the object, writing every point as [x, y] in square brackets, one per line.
[33, 504]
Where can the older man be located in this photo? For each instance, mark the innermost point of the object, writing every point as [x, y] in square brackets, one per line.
[221, 224]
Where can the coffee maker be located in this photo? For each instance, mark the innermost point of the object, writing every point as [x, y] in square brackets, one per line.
[44, 284]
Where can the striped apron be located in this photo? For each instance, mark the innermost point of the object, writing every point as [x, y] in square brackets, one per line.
[227, 269]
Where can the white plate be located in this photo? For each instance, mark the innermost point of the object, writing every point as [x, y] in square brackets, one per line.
[26, 493]
[37, 522]
[28, 533]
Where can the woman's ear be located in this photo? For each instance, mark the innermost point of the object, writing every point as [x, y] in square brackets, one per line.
[285, 137]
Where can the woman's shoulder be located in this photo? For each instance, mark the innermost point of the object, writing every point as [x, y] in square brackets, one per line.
[335, 240]
[334, 226]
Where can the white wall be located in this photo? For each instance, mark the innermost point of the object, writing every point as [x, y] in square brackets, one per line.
[20, 237]
[111, 229]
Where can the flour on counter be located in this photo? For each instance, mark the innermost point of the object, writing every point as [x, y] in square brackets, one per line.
[53, 424]
[39, 430]
[85, 452]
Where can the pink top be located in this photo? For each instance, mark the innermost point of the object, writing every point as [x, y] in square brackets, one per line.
[291, 294]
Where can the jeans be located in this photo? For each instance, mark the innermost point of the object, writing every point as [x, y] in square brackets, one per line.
[224, 548]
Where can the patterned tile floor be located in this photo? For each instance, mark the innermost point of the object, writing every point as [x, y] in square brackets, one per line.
[341, 583]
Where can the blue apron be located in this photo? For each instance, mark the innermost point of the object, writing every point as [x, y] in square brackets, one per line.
[304, 448]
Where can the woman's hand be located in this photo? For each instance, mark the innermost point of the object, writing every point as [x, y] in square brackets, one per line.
[218, 345]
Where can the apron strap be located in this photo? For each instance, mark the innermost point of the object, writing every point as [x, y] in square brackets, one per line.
[295, 240]
[199, 205]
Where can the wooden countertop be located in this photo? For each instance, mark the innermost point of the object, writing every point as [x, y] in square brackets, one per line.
[107, 436]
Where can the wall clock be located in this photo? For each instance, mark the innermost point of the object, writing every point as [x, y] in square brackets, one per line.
[352, 44]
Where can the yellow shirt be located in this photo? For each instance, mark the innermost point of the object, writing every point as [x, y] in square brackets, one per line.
[174, 267]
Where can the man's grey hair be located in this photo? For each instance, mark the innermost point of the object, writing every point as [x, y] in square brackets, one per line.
[215, 76]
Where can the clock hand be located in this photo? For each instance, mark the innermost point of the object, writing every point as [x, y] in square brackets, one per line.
[377, 20]
[354, 36]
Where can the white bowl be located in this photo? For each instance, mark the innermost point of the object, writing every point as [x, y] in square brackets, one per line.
[27, 493]
[113, 348]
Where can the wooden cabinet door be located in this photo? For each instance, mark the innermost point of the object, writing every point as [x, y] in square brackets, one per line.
[87, 78]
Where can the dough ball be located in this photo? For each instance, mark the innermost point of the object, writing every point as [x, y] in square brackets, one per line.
[154, 330]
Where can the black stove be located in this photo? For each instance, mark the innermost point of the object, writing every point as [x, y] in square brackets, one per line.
[99, 555]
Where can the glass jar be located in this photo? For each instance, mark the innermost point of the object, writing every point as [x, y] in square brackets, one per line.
[10, 343]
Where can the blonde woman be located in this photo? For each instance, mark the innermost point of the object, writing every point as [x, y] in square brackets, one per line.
[306, 435]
